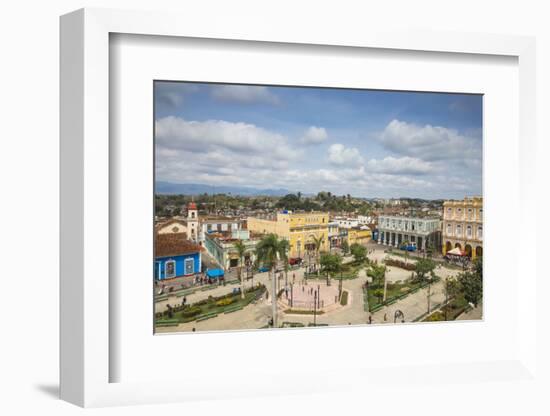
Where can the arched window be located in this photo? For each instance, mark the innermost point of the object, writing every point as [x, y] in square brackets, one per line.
[480, 232]
[469, 231]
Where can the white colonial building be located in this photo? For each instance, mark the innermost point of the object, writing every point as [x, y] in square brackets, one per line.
[396, 230]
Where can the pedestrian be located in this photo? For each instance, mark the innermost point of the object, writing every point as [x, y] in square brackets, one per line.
[385, 317]
[303, 288]
[370, 319]
[184, 301]
[193, 329]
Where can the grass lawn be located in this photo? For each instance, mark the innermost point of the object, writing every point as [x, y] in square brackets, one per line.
[212, 306]
[393, 292]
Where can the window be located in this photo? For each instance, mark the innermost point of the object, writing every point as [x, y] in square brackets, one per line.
[469, 231]
[169, 269]
[189, 266]
[480, 232]
[449, 229]
[459, 230]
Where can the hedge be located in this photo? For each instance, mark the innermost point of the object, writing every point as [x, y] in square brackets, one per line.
[208, 316]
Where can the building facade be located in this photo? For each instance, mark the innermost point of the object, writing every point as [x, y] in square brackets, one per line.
[397, 230]
[299, 228]
[176, 256]
[221, 246]
[217, 225]
[463, 226]
[359, 235]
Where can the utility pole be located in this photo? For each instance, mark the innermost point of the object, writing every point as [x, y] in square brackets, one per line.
[315, 308]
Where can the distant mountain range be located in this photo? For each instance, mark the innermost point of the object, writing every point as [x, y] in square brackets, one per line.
[169, 188]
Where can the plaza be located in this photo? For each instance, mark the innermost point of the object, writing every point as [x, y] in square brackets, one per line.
[329, 311]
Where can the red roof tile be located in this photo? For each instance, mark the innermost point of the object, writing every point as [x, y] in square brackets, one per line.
[167, 245]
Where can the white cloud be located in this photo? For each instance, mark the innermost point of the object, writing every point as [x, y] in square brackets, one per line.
[402, 165]
[338, 154]
[205, 136]
[429, 142]
[245, 94]
[172, 94]
[314, 135]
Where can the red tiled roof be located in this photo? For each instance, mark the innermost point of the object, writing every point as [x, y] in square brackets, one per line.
[167, 245]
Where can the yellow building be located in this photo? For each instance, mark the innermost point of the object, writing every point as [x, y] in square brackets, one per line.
[463, 226]
[359, 235]
[299, 228]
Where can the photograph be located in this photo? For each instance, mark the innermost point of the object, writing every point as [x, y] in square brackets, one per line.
[296, 207]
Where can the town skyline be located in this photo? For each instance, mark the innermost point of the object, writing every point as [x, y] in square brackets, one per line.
[366, 143]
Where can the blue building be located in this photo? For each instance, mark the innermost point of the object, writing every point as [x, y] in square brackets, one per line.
[175, 256]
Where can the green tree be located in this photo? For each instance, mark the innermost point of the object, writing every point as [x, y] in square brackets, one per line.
[472, 286]
[331, 263]
[377, 272]
[424, 267]
[345, 247]
[284, 248]
[317, 243]
[379, 294]
[241, 251]
[268, 252]
[358, 252]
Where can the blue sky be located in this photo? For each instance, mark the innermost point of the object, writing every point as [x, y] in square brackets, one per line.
[363, 142]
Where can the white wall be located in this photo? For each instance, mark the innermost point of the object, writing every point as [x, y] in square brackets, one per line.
[29, 172]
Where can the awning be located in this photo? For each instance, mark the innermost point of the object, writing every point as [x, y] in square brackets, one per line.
[456, 252]
[214, 273]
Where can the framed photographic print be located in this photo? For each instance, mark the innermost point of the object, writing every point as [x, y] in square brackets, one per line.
[304, 204]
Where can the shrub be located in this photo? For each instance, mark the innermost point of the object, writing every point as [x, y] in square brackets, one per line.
[344, 298]
[225, 301]
[401, 264]
[190, 312]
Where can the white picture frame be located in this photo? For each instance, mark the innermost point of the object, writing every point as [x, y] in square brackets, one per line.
[86, 353]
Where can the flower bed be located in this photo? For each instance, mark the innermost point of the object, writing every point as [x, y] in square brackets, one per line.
[401, 264]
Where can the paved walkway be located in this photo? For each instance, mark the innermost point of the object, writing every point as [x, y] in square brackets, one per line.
[474, 314]
[257, 315]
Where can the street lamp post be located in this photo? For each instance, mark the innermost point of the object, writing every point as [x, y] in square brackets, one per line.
[315, 308]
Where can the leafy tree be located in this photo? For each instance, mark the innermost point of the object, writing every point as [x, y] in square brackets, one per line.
[423, 268]
[358, 252]
[378, 293]
[472, 286]
[345, 247]
[478, 266]
[377, 272]
[331, 263]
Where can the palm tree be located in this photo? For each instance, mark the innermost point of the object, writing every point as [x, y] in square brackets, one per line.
[241, 251]
[317, 241]
[268, 252]
[284, 248]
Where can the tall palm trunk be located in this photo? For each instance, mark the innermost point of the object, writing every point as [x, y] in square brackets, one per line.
[242, 280]
[274, 298]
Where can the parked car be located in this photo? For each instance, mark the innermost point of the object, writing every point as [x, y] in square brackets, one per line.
[263, 269]
[295, 260]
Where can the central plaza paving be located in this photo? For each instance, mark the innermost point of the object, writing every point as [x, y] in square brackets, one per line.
[258, 313]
